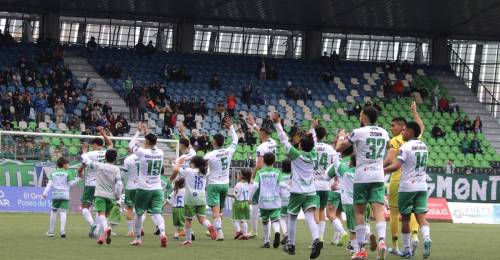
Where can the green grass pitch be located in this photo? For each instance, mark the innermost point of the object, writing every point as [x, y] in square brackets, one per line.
[23, 237]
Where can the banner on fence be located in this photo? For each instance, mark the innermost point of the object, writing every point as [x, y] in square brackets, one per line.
[475, 213]
[462, 188]
[23, 199]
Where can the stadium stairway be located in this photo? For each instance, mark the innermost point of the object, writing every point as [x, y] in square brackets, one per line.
[470, 104]
[103, 91]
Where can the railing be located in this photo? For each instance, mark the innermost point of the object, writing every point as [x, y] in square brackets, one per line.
[485, 93]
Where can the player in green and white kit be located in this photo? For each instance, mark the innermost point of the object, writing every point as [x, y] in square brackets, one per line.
[267, 145]
[412, 160]
[370, 142]
[185, 149]
[149, 194]
[344, 173]
[60, 183]
[219, 161]
[303, 192]
[286, 170]
[108, 188]
[96, 155]
[269, 180]
[130, 175]
[195, 195]
[326, 156]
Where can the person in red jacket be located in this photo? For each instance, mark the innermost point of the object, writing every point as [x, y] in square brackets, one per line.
[231, 104]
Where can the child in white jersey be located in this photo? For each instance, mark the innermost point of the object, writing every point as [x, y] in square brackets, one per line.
[60, 183]
[269, 181]
[195, 196]
[177, 203]
[241, 210]
[108, 188]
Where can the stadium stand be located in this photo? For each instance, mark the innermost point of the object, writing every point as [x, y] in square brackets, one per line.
[350, 83]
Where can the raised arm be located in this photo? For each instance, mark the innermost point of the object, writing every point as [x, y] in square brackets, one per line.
[343, 141]
[281, 133]
[133, 142]
[177, 168]
[107, 140]
[228, 123]
[417, 118]
[182, 131]
[74, 181]
[314, 124]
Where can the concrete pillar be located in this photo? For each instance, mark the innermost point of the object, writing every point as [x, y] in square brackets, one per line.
[477, 68]
[80, 37]
[161, 41]
[27, 31]
[212, 43]
[312, 45]
[50, 26]
[343, 49]
[184, 37]
[290, 47]
[419, 54]
[440, 54]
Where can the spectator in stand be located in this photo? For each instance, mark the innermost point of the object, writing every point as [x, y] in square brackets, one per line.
[40, 105]
[246, 94]
[231, 104]
[7, 38]
[443, 105]
[467, 124]
[133, 102]
[6, 103]
[259, 97]
[357, 109]
[194, 106]
[220, 111]
[189, 121]
[73, 123]
[150, 49]
[183, 75]
[215, 82]
[475, 146]
[140, 49]
[92, 45]
[107, 108]
[437, 132]
[183, 105]
[128, 84]
[166, 132]
[398, 89]
[387, 89]
[449, 167]
[250, 139]
[19, 107]
[203, 142]
[142, 104]
[70, 107]
[59, 111]
[262, 71]
[121, 126]
[458, 125]
[87, 115]
[465, 145]
[454, 106]
[272, 74]
[478, 125]
[406, 67]
[203, 109]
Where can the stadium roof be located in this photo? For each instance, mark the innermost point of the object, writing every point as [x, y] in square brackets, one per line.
[468, 19]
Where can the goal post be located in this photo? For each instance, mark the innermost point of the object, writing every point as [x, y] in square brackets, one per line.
[25, 157]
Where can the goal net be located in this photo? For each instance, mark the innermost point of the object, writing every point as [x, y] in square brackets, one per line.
[27, 157]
